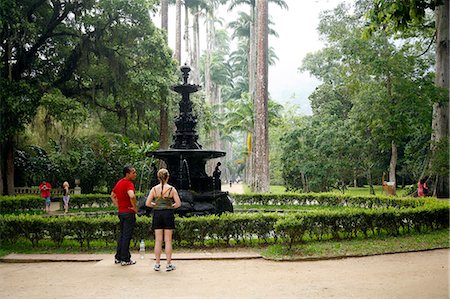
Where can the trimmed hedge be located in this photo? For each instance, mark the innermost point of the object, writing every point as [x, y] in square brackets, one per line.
[189, 231]
[297, 227]
[11, 204]
[328, 199]
[229, 228]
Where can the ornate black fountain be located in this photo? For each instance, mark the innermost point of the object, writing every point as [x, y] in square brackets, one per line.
[186, 160]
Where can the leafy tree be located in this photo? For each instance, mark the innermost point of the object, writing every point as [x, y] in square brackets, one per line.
[375, 89]
[405, 17]
[97, 52]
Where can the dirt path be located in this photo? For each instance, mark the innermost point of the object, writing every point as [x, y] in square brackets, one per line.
[236, 188]
[409, 275]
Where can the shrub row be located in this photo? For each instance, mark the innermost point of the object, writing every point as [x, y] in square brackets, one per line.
[10, 204]
[240, 228]
[328, 199]
[350, 223]
[189, 231]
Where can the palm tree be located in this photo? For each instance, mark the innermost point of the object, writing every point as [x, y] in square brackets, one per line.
[261, 181]
[252, 36]
[163, 110]
[239, 116]
[178, 32]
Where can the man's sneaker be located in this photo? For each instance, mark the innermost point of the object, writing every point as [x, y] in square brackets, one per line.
[130, 262]
[157, 267]
[116, 261]
[170, 267]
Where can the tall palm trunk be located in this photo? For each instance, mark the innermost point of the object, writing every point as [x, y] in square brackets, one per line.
[178, 32]
[251, 60]
[196, 47]
[261, 169]
[440, 130]
[163, 111]
[208, 59]
[186, 33]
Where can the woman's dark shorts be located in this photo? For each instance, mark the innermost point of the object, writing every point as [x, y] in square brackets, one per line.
[163, 219]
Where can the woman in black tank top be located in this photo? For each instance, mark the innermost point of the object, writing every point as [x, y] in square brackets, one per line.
[163, 198]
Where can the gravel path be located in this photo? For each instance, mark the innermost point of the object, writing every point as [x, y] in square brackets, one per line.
[408, 275]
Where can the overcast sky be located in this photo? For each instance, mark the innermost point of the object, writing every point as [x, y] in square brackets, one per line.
[297, 30]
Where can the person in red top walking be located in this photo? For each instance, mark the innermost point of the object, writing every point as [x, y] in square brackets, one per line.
[422, 188]
[124, 198]
[45, 188]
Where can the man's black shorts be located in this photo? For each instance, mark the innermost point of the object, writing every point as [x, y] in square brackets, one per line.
[163, 219]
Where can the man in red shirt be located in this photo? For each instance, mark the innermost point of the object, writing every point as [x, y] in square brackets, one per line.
[45, 188]
[124, 199]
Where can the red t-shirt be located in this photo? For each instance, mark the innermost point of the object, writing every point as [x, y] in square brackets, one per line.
[45, 189]
[121, 191]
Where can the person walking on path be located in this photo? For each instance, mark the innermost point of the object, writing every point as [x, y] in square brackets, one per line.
[422, 188]
[124, 198]
[45, 188]
[66, 196]
[163, 198]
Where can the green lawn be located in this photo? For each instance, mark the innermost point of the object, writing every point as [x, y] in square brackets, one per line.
[359, 247]
[350, 191]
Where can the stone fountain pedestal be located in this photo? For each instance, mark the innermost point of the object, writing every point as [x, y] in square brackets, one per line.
[186, 161]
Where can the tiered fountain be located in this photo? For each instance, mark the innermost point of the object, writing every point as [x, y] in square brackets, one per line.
[186, 160]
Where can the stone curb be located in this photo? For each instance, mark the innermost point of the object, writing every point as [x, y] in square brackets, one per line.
[48, 258]
[326, 258]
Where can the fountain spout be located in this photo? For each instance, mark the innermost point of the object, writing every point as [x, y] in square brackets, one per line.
[186, 167]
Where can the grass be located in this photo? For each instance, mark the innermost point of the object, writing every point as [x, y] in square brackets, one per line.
[310, 249]
[293, 208]
[359, 247]
[358, 191]
[273, 189]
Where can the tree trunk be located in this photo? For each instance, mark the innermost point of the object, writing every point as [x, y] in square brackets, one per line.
[392, 167]
[186, 32]
[369, 180]
[2, 165]
[252, 55]
[196, 50]
[208, 60]
[261, 171]
[9, 148]
[305, 189]
[163, 111]
[165, 15]
[440, 130]
[251, 61]
[178, 32]
[248, 161]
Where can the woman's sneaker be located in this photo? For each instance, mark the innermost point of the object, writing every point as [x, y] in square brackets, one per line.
[157, 267]
[116, 261]
[130, 262]
[170, 267]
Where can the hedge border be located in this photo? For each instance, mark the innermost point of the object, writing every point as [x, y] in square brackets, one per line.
[11, 204]
[227, 229]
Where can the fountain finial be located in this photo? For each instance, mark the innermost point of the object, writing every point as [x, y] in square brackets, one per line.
[185, 69]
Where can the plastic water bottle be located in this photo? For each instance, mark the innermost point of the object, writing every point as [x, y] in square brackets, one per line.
[142, 249]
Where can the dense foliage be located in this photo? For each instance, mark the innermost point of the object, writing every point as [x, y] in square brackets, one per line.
[72, 71]
[372, 113]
